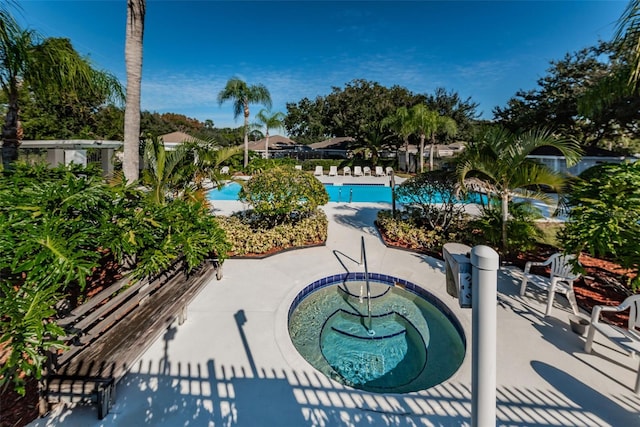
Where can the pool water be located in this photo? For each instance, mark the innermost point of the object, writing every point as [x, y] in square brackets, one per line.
[409, 344]
[369, 193]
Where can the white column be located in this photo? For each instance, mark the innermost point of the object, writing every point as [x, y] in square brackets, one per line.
[485, 263]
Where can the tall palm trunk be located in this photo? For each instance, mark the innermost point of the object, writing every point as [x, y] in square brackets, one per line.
[406, 154]
[133, 59]
[432, 148]
[246, 134]
[266, 145]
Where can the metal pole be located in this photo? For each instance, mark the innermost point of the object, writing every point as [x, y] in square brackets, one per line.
[366, 278]
[484, 285]
[392, 183]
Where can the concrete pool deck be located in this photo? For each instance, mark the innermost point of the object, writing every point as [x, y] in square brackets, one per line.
[232, 364]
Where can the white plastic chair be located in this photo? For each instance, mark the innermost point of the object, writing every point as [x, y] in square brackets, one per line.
[380, 171]
[298, 167]
[357, 171]
[224, 170]
[388, 170]
[560, 280]
[346, 171]
[333, 171]
[366, 170]
[318, 171]
[627, 339]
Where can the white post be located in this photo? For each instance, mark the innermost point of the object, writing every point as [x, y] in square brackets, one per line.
[485, 263]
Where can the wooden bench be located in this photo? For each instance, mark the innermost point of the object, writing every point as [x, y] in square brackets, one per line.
[107, 334]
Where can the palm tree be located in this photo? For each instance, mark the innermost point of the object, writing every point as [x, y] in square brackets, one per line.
[242, 95]
[499, 160]
[26, 64]
[133, 58]
[269, 121]
[399, 122]
[628, 34]
[164, 169]
[423, 121]
[444, 126]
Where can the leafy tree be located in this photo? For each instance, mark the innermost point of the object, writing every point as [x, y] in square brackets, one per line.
[604, 215]
[269, 121]
[555, 103]
[26, 61]
[432, 196]
[136, 10]
[242, 95]
[462, 112]
[304, 120]
[498, 159]
[283, 194]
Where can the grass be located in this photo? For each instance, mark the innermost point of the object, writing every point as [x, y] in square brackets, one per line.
[550, 231]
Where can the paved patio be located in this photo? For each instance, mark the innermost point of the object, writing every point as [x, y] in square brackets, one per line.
[232, 363]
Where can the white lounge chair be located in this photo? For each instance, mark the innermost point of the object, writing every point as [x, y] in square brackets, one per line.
[346, 171]
[380, 171]
[333, 171]
[559, 281]
[357, 171]
[298, 167]
[388, 170]
[366, 170]
[627, 339]
[318, 171]
[224, 170]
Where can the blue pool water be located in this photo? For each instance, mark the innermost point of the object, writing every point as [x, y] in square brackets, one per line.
[412, 342]
[337, 193]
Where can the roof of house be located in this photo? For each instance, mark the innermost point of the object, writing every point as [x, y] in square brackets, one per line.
[275, 142]
[176, 137]
[338, 143]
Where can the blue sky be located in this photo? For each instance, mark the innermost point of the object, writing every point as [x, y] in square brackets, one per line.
[486, 50]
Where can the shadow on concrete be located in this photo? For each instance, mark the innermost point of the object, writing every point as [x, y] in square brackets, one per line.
[164, 394]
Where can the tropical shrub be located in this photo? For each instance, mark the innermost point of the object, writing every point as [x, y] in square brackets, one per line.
[522, 232]
[283, 195]
[432, 199]
[604, 215]
[56, 225]
[406, 230]
[248, 237]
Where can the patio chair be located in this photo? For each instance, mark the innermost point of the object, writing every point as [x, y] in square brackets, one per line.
[366, 170]
[298, 167]
[559, 281]
[388, 170]
[333, 171]
[346, 171]
[318, 171]
[380, 171]
[224, 170]
[627, 339]
[357, 171]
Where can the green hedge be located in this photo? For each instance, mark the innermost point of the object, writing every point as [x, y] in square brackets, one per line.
[247, 240]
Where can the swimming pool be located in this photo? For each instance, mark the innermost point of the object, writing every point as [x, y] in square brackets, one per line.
[341, 193]
[410, 342]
